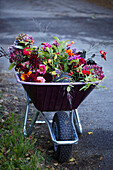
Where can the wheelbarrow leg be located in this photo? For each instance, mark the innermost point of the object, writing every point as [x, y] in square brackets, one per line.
[27, 131]
[77, 122]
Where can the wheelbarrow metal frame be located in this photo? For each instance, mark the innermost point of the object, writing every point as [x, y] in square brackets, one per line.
[74, 116]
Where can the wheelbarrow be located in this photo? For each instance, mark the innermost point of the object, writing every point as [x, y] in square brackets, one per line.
[65, 127]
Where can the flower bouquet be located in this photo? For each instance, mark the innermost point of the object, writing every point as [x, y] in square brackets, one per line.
[55, 62]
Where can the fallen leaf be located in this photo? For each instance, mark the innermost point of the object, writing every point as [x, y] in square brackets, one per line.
[50, 151]
[101, 158]
[6, 95]
[28, 158]
[2, 120]
[15, 98]
[27, 154]
[23, 99]
[90, 133]
[42, 136]
[1, 101]
[6, 113]
[72, 159]
[29, 119]
[40, 149]
[48, 166]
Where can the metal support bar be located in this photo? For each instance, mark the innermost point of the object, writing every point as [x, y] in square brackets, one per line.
[78, 124]
[42, 121]
[25, 120]
[32, 123]
[26, 117]
[73, 126]
[75, 141]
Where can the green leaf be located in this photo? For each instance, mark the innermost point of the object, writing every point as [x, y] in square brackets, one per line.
[60, 49]
[83, 55]
[54, 47]
[19, 47]
[48, 49]
[83, 88]
[65, 67]
[68, 89]
[57, 39]
[22, 42]
[71, 85]
[11, 66]
[66, 41]
[26, 43]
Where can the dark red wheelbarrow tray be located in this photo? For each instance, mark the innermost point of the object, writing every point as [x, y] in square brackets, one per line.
[54, 96]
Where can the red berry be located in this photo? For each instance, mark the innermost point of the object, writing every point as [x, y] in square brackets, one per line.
[71, 72]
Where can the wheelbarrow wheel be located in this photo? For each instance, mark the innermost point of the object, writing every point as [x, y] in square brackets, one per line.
[62, 129]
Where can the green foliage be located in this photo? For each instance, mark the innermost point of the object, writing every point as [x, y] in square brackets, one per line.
[20, 47]
[11, 66]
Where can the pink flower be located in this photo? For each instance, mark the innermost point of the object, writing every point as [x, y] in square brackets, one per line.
[42, 69]
[26, 63]
[41, 79]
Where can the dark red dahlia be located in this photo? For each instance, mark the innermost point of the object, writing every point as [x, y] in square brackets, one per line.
[34, 61]
[48, 77]
[82, 61]
[31, 78]
[25, 70]
[19, 67]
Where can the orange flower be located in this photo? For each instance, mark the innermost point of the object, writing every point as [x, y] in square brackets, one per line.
[69, 45]
[25, 74]
[69, 52]
[66, 51]
[29, 73]
[72, 42]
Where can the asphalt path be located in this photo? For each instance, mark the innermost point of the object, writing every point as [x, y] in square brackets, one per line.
[86, 24]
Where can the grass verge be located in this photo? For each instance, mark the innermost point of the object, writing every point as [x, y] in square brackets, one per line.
[17, 151]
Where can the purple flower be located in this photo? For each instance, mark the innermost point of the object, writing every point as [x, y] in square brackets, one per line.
[74, 57]
[68, 48]
[74, 50]
[47, 45]
[97, 71]
[15, 56]
[55, 43]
